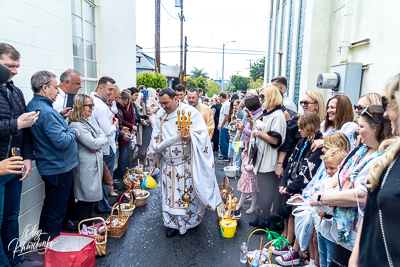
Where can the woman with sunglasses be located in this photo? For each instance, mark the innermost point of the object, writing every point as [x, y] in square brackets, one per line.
[350, 178]
[339, 119]
[377, 243]
[366, 101]
[88, 175]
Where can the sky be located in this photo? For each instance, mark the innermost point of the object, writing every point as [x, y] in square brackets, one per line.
[209, 24]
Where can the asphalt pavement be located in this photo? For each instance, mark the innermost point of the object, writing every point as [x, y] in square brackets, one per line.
[145, 244]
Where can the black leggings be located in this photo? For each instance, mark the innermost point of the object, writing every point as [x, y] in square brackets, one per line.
[268, 184]
[84, 210]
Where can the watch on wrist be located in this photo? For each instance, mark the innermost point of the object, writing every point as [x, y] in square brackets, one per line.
[319, 199]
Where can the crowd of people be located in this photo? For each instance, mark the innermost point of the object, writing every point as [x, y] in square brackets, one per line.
[324, 156]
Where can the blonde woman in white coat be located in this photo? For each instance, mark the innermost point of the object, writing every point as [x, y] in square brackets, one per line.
[88, 175]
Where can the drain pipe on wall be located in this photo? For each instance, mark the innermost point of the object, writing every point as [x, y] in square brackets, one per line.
[345, 44]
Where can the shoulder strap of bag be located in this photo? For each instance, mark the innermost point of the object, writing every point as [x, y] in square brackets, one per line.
[351, 154]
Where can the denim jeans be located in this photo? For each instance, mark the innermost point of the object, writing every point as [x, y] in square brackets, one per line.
[237, 160]
[110, 162]
[224, 142]
[122, 161]
[325, 249]
[57, 190]
[10, 199]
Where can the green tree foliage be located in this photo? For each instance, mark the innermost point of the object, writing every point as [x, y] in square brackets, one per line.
[199, 82]
[257, 83]
[212, 88]
[240, 83]
[151, 79]
[195, 73]
[257, 69]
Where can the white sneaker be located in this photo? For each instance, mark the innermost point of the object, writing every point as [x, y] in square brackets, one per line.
[311, 264]
[27, 262]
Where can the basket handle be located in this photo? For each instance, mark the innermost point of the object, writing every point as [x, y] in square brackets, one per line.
[133, 197]
[225, 183]
[92, 219]
[119, 209]
[248, 239]
[230, 204]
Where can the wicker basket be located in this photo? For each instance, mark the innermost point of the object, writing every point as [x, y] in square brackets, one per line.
[220, 214]
[117, 231]
[140, 201]
[225, 189]
[264, 247]
[131, 205]
[100, 246]
[127, 183]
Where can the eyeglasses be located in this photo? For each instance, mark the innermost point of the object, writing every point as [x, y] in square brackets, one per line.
[365, 111]
[306, 103]
[359, 108]
[385, 103]
[262, 96]
[89, 105]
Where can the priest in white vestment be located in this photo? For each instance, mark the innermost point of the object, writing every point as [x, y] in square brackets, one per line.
[191, 167]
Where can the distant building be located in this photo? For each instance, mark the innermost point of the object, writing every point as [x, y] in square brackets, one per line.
[94, 37]
[146, 63]
[305, 39]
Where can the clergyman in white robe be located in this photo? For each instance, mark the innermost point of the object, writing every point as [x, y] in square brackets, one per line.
[193, 165]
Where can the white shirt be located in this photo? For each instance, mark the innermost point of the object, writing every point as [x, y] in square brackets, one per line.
[224, 111]
[288, 103]
[104, 118]
[61, 101]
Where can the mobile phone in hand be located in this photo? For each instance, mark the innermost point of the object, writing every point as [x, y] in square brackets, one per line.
[15, 151]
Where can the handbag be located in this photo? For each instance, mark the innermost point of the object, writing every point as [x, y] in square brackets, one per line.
[107, 178]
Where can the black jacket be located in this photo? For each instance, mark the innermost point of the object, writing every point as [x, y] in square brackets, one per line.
[308, 165]
[292, 138]
[8, 122]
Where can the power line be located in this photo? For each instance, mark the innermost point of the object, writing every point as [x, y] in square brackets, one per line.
[216, 48]
[215, 52]
[167, 11]
[227, 49]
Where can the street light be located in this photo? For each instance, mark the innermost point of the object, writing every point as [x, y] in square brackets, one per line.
[223, 61]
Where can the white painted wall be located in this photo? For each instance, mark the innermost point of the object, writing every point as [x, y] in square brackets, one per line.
[322, 37]
[42, 32]
[379, 21]
[116, 41]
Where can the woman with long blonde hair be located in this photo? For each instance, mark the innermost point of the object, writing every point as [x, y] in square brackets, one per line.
[377, 243]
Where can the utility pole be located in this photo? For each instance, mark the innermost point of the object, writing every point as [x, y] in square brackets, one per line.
[181, 67]
[185, 79]
[157, 37]
[223, 62]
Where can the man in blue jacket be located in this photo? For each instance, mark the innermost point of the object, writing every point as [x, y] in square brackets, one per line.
[55, 151]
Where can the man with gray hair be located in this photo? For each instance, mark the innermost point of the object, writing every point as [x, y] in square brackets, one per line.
[55, 152]
[70, 83]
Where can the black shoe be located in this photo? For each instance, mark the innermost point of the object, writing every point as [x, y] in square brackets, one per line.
[170, 232]
[237, 214]
[262, 226]
[247, 200]
[70, 226]
[277, 226]
[257, 219]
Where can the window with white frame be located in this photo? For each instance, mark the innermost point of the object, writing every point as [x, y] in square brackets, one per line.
[84, 42]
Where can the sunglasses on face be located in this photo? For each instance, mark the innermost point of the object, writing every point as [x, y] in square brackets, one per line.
[358, 108]
[306, 103]
[262, 96]
[89, 105]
